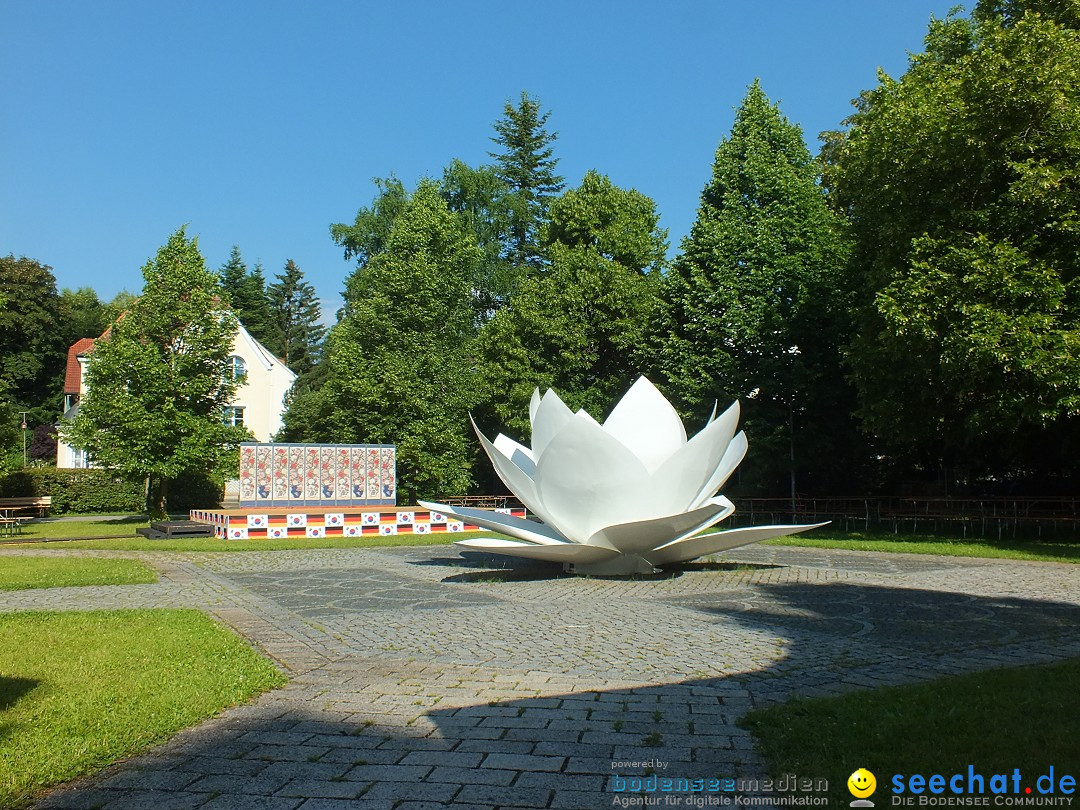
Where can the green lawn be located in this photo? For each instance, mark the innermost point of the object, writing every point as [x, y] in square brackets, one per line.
[283, 544]
[1026, 718]
[81, 690]
[19, 572]
[1064, 550]
[120, 535]
[64, 529]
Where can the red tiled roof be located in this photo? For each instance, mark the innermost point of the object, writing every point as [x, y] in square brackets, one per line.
[73, 374]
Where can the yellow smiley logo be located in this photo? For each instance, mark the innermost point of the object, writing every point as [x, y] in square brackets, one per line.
[861, 783]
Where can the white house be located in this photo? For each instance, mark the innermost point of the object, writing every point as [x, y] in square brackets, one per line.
[258, 404]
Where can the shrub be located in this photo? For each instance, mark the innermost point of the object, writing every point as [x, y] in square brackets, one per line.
[75, 490]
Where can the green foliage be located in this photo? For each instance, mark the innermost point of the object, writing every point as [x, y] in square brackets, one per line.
[80, 491]
[10, 433]
[83, 314]
[247, 296]
[296, 319]
[485, 204]
[157, 383]
[756, 301]
[84, 689]
[399, 364]
[370, 231]
[527, 167]
[579, 326]
[32, 349]
[962, 180]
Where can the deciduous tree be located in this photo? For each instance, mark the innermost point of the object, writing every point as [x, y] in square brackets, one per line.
[156, 383]
[580, 326]
[33, 345]
[962, 181]
[399, 361]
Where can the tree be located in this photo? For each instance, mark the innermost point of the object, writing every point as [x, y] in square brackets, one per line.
[580, 327]
[295, 317]
[156, 383]
[246, 292]
[32, 347]
[962, 181]
[399, 367]
[83, 314]
[370, 231]
[526, 165]
[756, 299]
[485, 204]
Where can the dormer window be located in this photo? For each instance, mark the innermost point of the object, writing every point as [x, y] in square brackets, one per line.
[237, 368]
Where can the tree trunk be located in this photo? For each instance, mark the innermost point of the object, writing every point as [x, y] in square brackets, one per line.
[156, 492]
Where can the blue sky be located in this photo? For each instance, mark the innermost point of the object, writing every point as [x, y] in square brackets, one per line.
[261, 123]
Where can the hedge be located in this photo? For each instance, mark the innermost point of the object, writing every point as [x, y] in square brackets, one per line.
[102, 491]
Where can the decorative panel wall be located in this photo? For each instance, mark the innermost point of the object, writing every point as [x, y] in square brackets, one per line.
[284, 474]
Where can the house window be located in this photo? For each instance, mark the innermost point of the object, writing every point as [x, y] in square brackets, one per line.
[233, 415]
[237, 368]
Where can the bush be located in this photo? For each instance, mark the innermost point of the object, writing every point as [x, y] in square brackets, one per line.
[194, 491]
[75, 490]
[87, 491]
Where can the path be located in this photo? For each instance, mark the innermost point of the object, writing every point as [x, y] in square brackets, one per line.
[424, 678]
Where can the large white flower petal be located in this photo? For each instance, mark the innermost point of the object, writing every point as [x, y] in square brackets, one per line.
[534, 403]
[516, 480]
[528, 530]
[589, 479]
[646, 423]
[519, 454]
[644, 535]
[733, 456]
[550, 417]
[564, 552]
[712, 415]
[692, 547]
[681, 479]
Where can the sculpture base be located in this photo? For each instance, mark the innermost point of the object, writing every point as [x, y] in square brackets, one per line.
[621, 566]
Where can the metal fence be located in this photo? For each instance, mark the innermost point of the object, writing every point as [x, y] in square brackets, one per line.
[1049, 516]
[966, 516]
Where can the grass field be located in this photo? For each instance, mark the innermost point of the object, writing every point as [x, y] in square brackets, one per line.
[1026, 718]
[20, 572]
[81, 690]
[90, 527]
[1065, 550]
[119, 534]
[283, 544]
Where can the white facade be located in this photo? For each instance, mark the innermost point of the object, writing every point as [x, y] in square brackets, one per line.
[260, 400]
[258, 404]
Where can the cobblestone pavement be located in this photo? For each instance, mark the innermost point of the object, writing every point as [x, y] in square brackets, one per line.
[423, 678]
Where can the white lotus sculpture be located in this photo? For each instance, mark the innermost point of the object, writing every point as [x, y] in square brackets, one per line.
[619, 498]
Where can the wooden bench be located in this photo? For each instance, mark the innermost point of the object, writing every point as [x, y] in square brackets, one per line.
[14, 507]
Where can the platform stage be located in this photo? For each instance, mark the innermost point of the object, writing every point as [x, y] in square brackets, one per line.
[252, 523]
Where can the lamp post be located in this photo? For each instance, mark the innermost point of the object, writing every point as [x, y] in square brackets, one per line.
[23, 437]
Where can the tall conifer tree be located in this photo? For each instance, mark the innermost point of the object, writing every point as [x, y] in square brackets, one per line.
[296, 319]
[527, 166]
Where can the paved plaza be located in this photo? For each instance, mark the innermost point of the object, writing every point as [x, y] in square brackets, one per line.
[421, 677]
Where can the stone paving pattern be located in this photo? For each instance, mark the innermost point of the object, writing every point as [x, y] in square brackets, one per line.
[425, 678]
